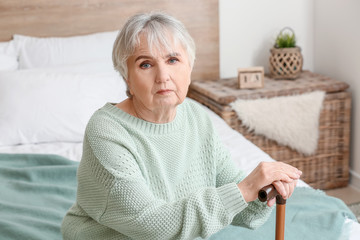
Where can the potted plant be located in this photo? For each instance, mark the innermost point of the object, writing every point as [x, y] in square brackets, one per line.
[285, 60]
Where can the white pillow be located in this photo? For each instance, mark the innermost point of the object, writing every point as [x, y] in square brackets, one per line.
[86, 68]
[35, 52]
[44, 106]
[8, 56]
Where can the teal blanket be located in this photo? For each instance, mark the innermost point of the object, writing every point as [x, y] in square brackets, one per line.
[37, 190]
[35, 193]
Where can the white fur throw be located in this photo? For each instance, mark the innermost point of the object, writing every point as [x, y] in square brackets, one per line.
[290, 120]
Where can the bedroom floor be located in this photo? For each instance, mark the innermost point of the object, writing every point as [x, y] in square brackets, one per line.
[348, 194]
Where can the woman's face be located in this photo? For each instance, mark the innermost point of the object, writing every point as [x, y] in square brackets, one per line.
[158, 80]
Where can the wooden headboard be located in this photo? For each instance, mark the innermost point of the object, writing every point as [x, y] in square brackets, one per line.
[60, 18]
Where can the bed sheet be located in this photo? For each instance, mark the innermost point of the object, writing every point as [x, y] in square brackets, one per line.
[70, 151]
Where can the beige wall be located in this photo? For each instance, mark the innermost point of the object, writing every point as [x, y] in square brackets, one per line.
[248, 29]
[337, 54]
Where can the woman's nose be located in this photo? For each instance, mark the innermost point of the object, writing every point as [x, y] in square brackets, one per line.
[163, 74]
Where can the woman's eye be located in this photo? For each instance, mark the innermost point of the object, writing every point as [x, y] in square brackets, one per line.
[145, 65]
[173, 60]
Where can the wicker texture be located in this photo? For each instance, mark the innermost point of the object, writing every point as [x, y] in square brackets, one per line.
[326, 169]
[285, 63]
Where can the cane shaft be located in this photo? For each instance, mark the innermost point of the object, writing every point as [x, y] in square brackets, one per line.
[267, 193]
[280, 221]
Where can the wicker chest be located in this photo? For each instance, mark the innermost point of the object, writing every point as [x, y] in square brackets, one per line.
[326, 169]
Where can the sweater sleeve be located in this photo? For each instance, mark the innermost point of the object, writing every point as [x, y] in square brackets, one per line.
[256, 213]
[116, 195]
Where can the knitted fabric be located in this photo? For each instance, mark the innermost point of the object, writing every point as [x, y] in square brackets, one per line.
[141, 180]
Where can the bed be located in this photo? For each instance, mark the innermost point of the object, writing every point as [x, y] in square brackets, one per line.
[52, 80]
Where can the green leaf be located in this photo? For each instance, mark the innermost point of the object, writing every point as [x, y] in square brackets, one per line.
[285, 40]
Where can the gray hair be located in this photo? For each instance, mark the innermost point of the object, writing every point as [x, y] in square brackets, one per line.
[157, 26]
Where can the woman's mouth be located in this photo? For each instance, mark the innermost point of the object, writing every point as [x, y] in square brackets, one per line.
[164, 91]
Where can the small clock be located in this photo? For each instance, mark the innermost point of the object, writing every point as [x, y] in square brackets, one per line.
[252, 77]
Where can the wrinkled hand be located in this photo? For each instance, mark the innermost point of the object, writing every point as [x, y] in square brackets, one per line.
[283, 176]
[288, 188]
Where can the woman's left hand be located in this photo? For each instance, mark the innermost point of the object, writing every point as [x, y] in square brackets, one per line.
[283, 187]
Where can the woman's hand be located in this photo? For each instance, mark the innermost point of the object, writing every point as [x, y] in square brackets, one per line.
[288, 188]
[283, 176]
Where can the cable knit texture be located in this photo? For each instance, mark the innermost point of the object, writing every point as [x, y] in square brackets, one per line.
[141, 180]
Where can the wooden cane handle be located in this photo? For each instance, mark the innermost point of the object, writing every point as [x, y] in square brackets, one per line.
[267, 193]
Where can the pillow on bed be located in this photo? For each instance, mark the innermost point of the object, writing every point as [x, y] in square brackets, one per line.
[8, 56]
[44, 106]
[35, 52]
[85, 67]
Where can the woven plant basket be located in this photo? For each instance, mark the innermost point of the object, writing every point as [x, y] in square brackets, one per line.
[285, 61]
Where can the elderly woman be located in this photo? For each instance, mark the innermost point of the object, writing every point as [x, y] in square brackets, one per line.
[153, 166]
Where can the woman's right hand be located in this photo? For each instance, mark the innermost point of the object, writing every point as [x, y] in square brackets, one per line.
[283, 176]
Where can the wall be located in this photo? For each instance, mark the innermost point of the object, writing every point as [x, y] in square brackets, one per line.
[248, 29]
[337, 54]
[326, 30]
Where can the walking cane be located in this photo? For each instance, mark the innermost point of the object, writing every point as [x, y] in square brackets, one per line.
[267, 193]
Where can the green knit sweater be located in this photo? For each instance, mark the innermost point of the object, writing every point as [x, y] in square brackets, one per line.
[141, 180]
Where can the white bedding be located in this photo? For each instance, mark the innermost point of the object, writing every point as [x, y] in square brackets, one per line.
[71, 151]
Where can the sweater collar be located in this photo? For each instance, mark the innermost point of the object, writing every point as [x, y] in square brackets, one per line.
[145, 126]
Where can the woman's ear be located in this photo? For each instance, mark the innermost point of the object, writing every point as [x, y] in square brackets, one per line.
[190, 77]
[129, 87]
